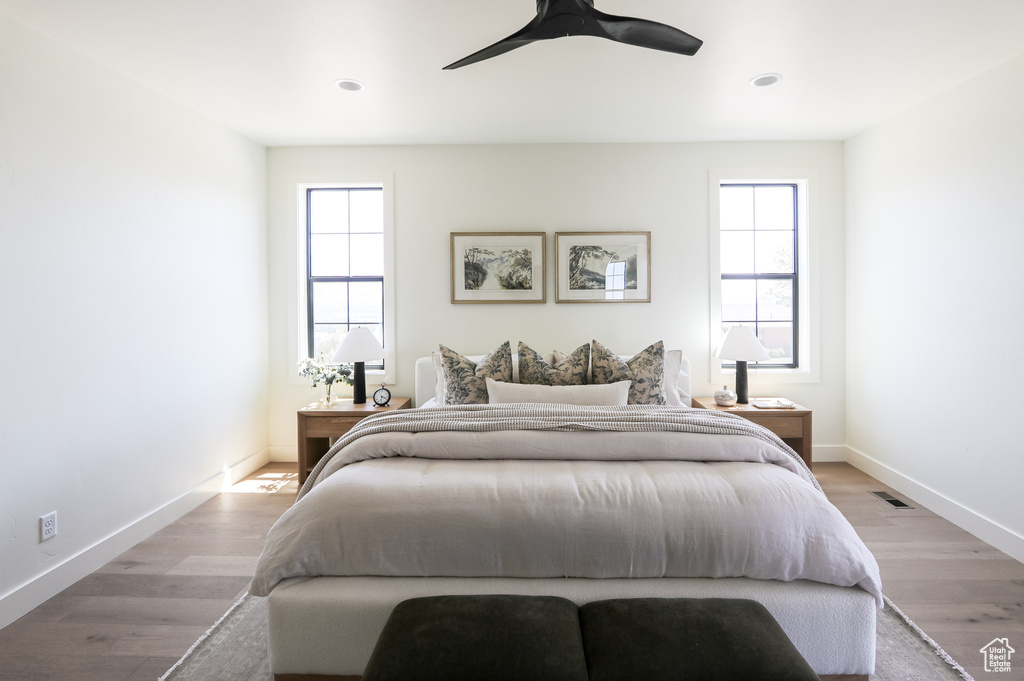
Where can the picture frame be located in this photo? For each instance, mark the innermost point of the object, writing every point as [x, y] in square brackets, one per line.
[603, 267]
[498, 267]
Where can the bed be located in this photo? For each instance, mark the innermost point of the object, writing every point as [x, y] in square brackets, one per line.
[584, 502]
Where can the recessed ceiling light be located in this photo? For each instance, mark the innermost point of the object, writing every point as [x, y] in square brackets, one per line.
[766, 79]
[349, 84]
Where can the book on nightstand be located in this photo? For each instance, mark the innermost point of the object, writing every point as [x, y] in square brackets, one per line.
[774, 403]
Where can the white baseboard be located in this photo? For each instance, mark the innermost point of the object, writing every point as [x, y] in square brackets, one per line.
[32, 594]
[829, 453]
[247, 466]
[284, 453]
[989, 531]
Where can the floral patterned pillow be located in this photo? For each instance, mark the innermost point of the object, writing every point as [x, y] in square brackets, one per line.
[572, 370]
[465, 380]
[646, 370]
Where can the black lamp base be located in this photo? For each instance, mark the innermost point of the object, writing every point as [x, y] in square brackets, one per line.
[741, 381]
[359, 383]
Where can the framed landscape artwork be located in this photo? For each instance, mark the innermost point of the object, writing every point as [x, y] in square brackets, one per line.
[498, 267]
[603, 267]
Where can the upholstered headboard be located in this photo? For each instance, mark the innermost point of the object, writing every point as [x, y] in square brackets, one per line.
[426, 380]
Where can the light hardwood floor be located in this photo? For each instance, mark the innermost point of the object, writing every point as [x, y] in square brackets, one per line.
[958, 589]
[135, 617]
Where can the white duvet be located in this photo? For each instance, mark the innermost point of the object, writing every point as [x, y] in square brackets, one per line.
[567, 503]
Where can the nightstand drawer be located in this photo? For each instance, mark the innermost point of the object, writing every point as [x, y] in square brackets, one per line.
[331, 426]
[783, 426]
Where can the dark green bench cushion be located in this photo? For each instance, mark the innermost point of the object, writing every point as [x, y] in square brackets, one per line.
[698, 639]
[480, 638]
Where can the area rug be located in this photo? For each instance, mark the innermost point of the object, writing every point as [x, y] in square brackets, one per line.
[235, 649]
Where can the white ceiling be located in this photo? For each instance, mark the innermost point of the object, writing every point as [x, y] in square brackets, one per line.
[266, 68]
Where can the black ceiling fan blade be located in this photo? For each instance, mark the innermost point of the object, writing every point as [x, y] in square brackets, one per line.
[561, 18]
[518, 39]
[645, 33]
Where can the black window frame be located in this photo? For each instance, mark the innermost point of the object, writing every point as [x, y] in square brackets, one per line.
[311, 280]
[794, 278]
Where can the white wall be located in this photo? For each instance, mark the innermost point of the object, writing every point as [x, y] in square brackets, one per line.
[659, 187]
[935, 246]
[133, 319]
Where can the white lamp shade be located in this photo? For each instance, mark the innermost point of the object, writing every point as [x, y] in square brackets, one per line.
[359, 345]
[741, 344]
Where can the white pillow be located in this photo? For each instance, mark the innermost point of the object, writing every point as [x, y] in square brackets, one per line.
[609, 395]
[435, 359]
[673, 360]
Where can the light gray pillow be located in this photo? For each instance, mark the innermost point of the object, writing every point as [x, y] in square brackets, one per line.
[611, 395]
[571, 370]
[646, 370]
[464, 379]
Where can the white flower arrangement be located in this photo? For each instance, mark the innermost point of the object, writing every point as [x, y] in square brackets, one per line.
[323, 372]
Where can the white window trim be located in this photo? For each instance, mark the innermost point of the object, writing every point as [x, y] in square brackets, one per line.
[297, 308]
[807, 370]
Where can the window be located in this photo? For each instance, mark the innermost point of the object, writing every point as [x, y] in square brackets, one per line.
[345, 265]
[761, 270]
[759, 235]
[615, 280]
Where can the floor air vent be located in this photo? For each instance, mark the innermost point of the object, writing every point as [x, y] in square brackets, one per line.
[890, 499]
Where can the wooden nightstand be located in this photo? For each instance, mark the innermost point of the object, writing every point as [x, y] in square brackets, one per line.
[317, 425]
[792, 425]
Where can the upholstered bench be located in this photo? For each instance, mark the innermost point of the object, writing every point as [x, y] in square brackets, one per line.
[480, 638]
[696, 639]
[545, 638]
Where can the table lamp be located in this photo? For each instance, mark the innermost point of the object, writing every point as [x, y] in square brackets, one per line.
[358, 347]
[740, 344]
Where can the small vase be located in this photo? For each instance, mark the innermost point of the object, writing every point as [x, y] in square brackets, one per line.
[725, 397]
[326, 399]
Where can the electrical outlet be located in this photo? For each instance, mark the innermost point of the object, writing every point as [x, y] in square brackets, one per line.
[48, 526]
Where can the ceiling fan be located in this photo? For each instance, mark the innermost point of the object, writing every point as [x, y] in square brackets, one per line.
[561, 18]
